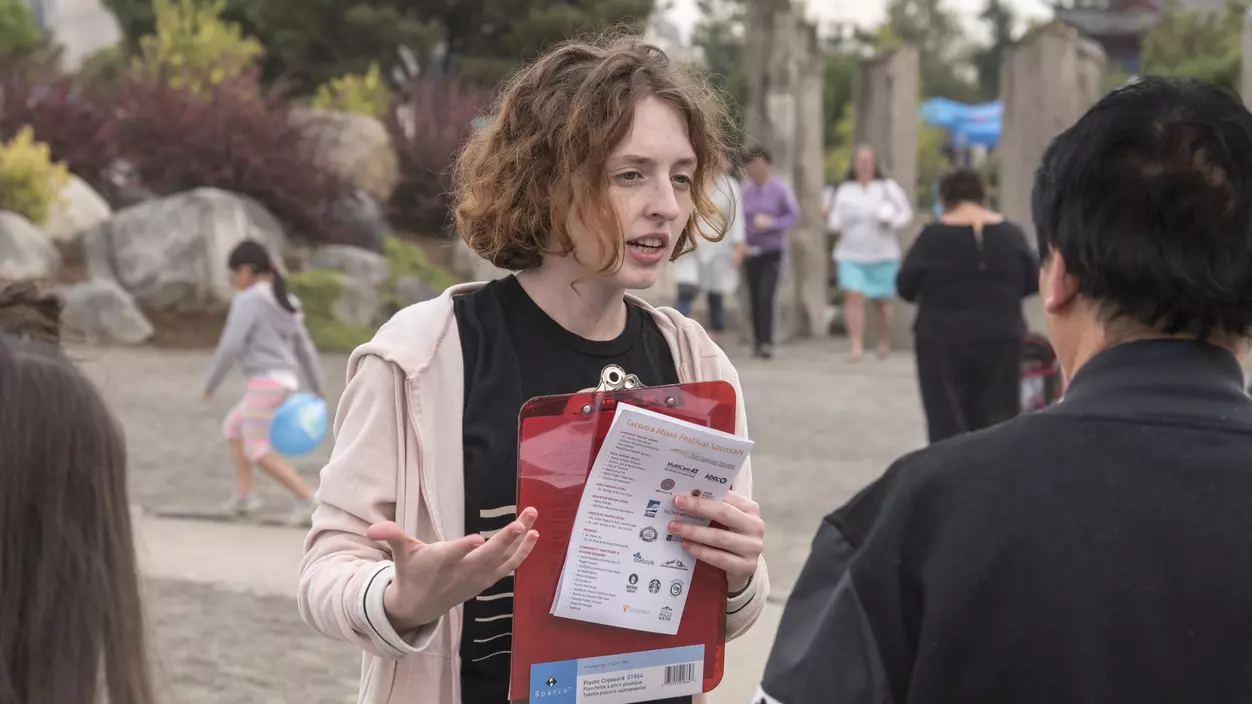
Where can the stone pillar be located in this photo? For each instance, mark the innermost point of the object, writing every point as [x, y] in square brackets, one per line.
[784, 66]
[1245, 83]
[1047, 81]
[887, 94]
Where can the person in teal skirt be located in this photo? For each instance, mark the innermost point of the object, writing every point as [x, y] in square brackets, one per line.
[869, 210]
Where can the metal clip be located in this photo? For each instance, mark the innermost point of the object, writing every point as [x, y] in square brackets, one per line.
[614, 378]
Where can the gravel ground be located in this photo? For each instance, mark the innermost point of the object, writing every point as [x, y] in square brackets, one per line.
[213, 645]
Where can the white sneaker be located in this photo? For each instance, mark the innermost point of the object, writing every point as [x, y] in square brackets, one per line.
[301, 514]
[242, 506]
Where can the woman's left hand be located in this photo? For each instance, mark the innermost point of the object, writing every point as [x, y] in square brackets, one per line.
[736, 548]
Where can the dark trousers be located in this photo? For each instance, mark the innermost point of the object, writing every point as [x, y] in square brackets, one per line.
[717, 305]
[763, 272]
[969, 386]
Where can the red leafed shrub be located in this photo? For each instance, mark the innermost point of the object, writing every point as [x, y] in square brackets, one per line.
[237, 137]
[433, 119]
[74, 120]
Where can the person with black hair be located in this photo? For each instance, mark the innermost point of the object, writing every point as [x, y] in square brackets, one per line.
[770, 210]
[968, 274]
[265, 334]
[1097, 550]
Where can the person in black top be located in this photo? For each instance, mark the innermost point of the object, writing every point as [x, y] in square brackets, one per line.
[595, 170]
[968, 273]
[1095, 551]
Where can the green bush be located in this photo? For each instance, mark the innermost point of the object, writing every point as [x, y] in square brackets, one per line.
[30, 183]
[407, 259]
[193, 48]
[362, 94]
[317, 290]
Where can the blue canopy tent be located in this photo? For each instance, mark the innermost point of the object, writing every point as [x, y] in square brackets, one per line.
[967, 125]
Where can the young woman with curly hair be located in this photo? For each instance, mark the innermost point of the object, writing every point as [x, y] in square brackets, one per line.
[593, 170]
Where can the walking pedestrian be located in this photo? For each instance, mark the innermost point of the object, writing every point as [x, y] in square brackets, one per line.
[968, 274]
[770, 210]
[713, 268]
[72, 626]
[593, 171]
[1097, 550]
[868, 212]
[266, 336]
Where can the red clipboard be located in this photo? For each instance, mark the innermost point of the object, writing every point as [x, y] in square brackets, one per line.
[558, 439]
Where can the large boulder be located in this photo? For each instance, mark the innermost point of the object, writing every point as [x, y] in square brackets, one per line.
[100, 312]
[171, 253]
[355, 262]
[78, 209]
[354, 147]
[26, 252]
[360, 219]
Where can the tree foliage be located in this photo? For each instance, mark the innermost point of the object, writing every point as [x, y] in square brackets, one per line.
[1000, 20]
[485, 39]
[1195, 44]
[932, 27]
[19, 33]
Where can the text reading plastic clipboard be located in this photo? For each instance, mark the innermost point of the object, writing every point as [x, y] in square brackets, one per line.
[558, 438]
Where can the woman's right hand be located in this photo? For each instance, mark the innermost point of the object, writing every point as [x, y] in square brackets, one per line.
[433, 578]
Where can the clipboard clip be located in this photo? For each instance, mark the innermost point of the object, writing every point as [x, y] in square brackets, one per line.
[614, 378]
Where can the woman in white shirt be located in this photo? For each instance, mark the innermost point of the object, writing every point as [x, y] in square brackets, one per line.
[868, 210]
[713, 268]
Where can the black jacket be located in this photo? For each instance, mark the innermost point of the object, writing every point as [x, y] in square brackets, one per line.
[967, 290]
[1098, 551]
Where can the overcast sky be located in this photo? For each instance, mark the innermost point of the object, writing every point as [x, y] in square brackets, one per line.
[871, 11]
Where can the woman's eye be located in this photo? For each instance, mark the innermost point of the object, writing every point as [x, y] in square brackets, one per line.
[683, 180]
[629, 176]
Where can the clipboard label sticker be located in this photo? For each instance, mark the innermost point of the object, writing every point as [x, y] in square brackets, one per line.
[620, 679]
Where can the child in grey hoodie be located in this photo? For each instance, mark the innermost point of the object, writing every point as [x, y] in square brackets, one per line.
[265, 334]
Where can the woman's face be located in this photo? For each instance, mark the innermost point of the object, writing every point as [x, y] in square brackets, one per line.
[864, 164]
[649, 174]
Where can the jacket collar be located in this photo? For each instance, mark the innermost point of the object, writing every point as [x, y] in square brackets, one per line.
[409, 339]
[1161, 380]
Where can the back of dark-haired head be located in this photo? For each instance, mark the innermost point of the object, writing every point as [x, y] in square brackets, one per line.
[757, 152]
[256, 257]
[71, 629]
[1148, 199]
[961, 185]
[29, 313]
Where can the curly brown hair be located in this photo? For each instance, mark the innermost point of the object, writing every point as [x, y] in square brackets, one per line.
[555, 123]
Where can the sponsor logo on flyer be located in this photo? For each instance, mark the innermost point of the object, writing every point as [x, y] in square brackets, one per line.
[648, 534]
[628, 609]
[676, 588]
[654, 586]
[666, 614]
[675, 564]
[641, 561]
[715, 478]
[681, 469]
[667, 484]
[653, 506]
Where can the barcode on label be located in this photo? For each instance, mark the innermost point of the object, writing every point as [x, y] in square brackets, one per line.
[680, 674]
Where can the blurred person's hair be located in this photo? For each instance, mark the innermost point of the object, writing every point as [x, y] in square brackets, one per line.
[961, 185]
[850, 175]
[757, 152]
[71, 630]
[1148, 198]
[541, 156]
[28, 312]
